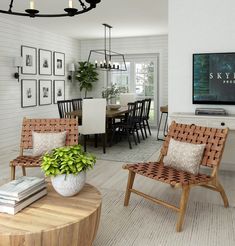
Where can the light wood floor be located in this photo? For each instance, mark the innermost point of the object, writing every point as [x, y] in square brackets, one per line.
[143, 223]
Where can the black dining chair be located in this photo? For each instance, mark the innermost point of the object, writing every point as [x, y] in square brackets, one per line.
[77, 104]
[145, 118]
[138, 119]
[64, 106]
[126, 127]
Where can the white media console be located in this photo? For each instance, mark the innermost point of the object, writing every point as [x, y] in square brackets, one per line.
[228, 160]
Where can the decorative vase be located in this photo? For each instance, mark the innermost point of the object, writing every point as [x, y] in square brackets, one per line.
[68, 184]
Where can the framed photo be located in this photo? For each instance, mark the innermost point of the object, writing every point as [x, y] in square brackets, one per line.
[59, 90]
[45, 62]
[28, 93]
[29, 55]
[59, 64]
[45, 92]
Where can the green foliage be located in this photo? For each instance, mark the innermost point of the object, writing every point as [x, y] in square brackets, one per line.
[113, 91]
[67, 160]
[86, 76]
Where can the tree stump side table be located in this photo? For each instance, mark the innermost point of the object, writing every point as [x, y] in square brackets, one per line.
[54, 221]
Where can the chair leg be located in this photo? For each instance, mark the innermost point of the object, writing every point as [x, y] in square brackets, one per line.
[130, 182]
[85, 138]
[24, 171]
[104, 142]
[142, 133]
[128, 138]
[13, 172]
[137, 134]
[148, 127]
[145, 132]
[222, 193]
[183, 206]
[96, 140]
[134, 137]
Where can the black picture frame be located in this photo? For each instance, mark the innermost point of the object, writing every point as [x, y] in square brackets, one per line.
[58, 84]
[28, 93]
[45, 96]
[59, 63]
[45, 59]
[29, 55]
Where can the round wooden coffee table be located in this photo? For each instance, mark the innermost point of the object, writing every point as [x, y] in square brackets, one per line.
[54, 220]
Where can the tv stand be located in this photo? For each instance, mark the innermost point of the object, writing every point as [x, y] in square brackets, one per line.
[228, 160]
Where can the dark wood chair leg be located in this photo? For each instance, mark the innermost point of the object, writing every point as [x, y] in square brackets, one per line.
[85, 140]
[141, 130]
[137, 134]
[134, 138]
[96, 140]
[148, 127]
[145, 132]
[13, 172]
[183, 206]
[24, 171]
[104, 142]
[128, 138]
[131, 178]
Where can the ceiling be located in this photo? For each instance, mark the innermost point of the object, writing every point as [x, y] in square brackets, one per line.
[128, 17]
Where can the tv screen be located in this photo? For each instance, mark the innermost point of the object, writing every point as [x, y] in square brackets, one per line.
[214, 78]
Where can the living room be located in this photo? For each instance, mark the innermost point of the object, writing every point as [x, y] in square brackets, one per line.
[160, 32]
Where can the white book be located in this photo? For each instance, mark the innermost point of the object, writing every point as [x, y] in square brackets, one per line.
[21, 186]
[15, 209]
[13, 200]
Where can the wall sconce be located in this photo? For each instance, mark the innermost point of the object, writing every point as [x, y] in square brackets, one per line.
[18, 62]
[71, 69]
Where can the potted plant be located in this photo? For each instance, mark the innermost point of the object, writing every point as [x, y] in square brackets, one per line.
[86, 76]
[67, 168]
[110, 93]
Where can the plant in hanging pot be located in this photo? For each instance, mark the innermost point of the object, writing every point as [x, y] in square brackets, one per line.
[67, 168]
[86, 76]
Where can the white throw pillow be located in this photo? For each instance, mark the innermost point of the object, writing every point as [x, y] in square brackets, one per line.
[184, 156]
[43, 142]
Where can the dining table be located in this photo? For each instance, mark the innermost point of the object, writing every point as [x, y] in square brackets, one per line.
[110, 113]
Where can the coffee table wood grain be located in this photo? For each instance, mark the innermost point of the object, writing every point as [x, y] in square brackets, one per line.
[54, 220]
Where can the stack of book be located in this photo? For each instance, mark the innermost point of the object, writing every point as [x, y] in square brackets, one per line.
[19, 193]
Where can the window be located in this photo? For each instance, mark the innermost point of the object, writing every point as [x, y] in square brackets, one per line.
[141, 78]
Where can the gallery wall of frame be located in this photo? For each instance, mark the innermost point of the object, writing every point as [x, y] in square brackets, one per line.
[44, 63]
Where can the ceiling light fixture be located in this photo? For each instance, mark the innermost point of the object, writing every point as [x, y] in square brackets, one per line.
[106, 59]
[70, 11]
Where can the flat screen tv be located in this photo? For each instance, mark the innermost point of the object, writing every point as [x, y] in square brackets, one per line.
[214, 78]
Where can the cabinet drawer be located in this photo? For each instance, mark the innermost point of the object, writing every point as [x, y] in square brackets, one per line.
[220, 123]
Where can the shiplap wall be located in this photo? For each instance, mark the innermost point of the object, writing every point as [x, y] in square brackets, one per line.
[131, 46]
[12, 36]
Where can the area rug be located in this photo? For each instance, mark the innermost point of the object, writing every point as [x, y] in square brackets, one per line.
[144, 223]
[120, 151]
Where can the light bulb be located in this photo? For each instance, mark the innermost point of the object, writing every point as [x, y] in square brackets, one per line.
[71, 4]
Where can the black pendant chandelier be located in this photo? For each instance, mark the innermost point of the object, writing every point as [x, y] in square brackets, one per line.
[106, 59]
[70, 11]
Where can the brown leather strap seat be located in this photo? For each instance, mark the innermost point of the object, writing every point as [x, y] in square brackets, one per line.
[165, 174]
[27, 161]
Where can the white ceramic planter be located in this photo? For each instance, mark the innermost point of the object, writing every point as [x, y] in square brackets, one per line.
[68, 185]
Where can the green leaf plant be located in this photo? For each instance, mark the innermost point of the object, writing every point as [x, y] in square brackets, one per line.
[86, 76]
[67, 160]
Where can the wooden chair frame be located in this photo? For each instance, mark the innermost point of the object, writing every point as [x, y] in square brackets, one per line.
[215, 141]
[43, 126]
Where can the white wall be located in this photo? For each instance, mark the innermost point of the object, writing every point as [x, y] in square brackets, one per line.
[134, 45]
[12, 36]
[194, 27]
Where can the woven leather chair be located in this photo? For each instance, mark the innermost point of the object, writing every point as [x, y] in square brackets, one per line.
[41, 125]
[214, 140]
